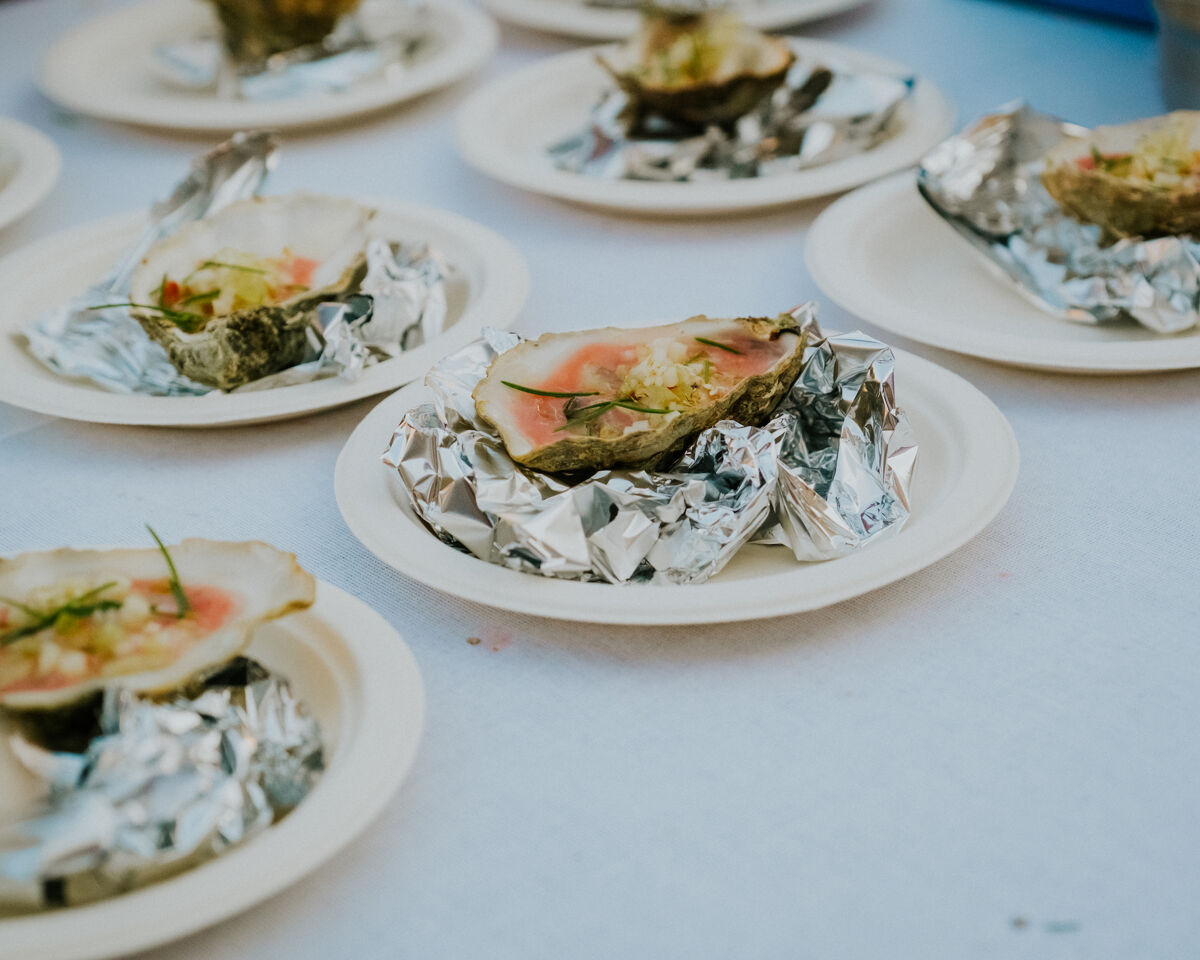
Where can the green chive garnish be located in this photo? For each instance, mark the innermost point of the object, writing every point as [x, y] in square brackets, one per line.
[587, 414]
[550, 393]
[185, 320]
[183, 606]
[713, 343]
[78, 607]
[228, 266]
[204, 297]
[630, 405]
[580, 415]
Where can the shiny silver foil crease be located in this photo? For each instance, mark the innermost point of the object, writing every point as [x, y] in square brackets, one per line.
[379, 39]
[819, 114]
[161, 787]
[986, 183]
[402, 301]
[828, 474]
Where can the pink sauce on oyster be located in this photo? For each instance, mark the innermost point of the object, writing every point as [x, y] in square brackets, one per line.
[605, 370]
[109, 644]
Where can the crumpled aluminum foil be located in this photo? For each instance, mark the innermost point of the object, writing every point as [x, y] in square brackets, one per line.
[380, 38]
[819, 114]
[161, 787]
[402, 302]
[830, 473]
[986, 183]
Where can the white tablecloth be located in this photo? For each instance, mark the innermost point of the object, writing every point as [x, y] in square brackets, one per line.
[995, 757]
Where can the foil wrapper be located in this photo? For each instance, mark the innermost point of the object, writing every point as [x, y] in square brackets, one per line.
[986, 183]
[830, 473]
[109, 347]
[821, 113]
[160, 787]
[381, 38]
[401, 302]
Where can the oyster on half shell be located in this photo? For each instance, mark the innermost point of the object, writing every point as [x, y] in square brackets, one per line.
[616, 397]
[230, 297]
[697, 68]
[75, 621]
[1135, 180]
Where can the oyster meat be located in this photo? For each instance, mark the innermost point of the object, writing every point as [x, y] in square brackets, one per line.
[697, 68]
[230, 297]
[75, 621]
[1135, 180]
[613, 397]
[254, 30]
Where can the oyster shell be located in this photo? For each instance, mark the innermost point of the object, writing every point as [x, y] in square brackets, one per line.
[269, 261]
[1135, 180]
[254, 30]
[704, 68]
[616, 397]
[115, 619]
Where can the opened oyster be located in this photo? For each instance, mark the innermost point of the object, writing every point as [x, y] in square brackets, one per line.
[230, 297]
[254, 30]
[612, 397]
[75, 621]
[1137, 180]
[697, 68]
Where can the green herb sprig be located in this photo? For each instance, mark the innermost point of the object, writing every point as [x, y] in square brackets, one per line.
[183, 606]
[714, 343]
[578, 416]
[185, 320]
[227, 266]
[81, 606]
[550, 393]
[204, 297]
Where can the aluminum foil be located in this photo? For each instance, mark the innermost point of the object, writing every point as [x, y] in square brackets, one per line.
[830, 473]
[161, 787]
[986, 183]
[381, 38]
[821, 113]
[402, 300]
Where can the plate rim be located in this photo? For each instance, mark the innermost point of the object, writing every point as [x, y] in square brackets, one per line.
[476, 146]
[477, 38]
[383, 663]
[828, 238]
[499, 301]
[602, 24]
[996, 477]
[39, 166]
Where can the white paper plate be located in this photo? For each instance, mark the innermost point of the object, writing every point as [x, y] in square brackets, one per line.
[29, 166]
[966, 468]
[504, 129]
[575, 19]
[360, 680]
[883, 254]
[488, 285]
[106, 69]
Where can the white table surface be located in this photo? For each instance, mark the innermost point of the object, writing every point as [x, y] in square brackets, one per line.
[993, 758]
